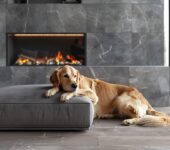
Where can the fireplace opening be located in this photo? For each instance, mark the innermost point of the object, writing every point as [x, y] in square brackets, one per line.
[46, 49]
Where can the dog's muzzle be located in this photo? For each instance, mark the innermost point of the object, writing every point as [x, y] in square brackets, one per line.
[74, 86]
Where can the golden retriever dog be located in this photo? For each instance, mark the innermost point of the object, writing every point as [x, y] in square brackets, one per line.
[109, 100]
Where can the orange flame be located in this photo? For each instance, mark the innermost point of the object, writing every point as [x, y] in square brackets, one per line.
[72, 59]
[22, 60]
[59, 57]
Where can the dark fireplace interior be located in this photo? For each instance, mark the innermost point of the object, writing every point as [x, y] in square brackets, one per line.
[47, 1]
[46, 49]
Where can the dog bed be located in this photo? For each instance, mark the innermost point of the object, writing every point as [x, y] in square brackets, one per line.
[26, 107]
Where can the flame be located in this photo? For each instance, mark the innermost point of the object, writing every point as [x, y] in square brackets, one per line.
[22, 60]
[72, 59]
[59, 57]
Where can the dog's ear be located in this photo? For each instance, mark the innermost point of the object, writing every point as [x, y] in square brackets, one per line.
[55, 77]
[78, 76]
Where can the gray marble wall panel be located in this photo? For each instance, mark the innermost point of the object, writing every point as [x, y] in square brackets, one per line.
[10, 1]
[110, 74]
[2, 62]
[73, 17]
[153, 82]
[22, 75]
[147, 49]
[2, 18]
[124, 49]
[109, 18]
[40, 75]
[122, 1]
[46, 18]
[109, 49]
[2, 1]
[2, 50]
[147, 18]
[16, 18]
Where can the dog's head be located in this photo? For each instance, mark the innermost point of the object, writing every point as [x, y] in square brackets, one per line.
[66, 77]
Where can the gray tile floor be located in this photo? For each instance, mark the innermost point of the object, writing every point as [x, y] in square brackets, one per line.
[104, 135]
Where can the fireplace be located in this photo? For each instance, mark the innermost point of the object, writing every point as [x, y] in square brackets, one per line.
[46, 49]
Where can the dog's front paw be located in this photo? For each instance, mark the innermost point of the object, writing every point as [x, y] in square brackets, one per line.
[50, 93]
[65, 97]
[127, 122]
[95, 100]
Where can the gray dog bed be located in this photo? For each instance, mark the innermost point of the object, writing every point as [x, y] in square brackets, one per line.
[26, 107]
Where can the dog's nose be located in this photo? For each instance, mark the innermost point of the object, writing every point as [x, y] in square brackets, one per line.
[74, 86]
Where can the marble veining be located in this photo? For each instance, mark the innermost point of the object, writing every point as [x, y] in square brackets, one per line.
[16, 18]
[147, 18]
[105, 49]
[124, 49]
[108, 18]
[46, 18]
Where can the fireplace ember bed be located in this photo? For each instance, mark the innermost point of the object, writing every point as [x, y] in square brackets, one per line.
[46, 49]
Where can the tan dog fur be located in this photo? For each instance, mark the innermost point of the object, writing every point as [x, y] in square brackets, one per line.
[109, 100]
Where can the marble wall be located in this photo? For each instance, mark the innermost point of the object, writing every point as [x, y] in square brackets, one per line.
[3, 1]
[153, 82]
[123, 1]
[2, 33]
[120, 34]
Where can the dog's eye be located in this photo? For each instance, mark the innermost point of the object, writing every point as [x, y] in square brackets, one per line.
[66, 75]
[75, 76]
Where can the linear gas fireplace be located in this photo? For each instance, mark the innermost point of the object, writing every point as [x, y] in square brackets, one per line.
[46, 49]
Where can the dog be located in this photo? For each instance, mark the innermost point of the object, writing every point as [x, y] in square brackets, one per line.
[109, 100]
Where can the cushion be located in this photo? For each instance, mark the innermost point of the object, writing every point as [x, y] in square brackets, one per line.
[26, 107]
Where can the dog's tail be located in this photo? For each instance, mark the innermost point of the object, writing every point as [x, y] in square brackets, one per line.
[154, 119]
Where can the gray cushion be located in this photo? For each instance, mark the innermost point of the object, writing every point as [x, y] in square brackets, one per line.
[26, 107]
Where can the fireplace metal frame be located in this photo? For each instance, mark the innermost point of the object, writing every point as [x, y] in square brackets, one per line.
[7, 50]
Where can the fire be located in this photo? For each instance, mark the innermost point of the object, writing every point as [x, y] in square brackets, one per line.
[22, 61]
[59, 57]
[72, 59]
